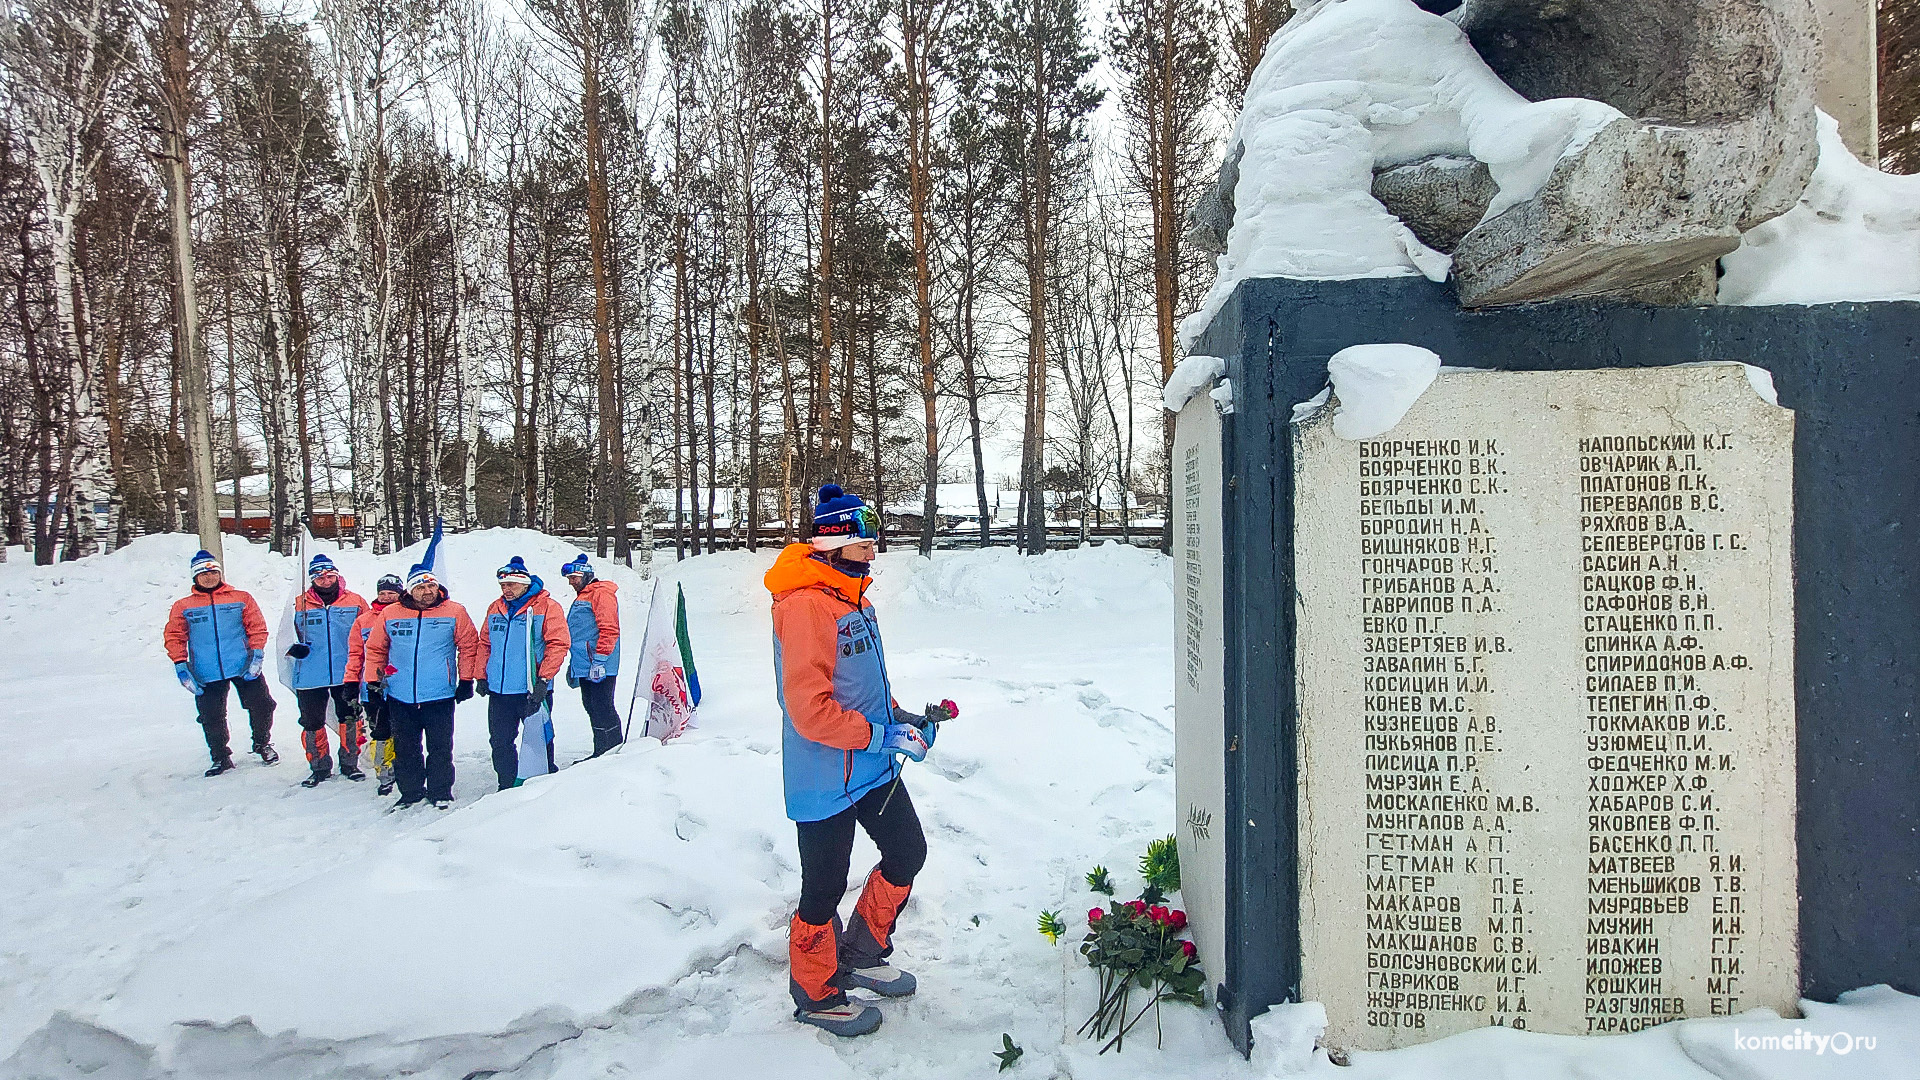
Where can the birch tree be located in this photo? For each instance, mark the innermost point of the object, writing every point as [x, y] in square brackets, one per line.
[64, 60]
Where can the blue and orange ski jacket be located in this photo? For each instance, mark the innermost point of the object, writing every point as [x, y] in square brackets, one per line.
[594, 624]
[422, 654]
[327, 628]
[532, 622]
[830, 674]
[214, 632]
[357, 642]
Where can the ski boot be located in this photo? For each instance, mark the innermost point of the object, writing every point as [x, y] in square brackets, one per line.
[386, 788]
[350, 766]
[883, 979]
[223, 765]
[849, 1019]
[268, 755]
[314, 779]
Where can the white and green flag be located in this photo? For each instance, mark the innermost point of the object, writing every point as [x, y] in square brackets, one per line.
[666, 666]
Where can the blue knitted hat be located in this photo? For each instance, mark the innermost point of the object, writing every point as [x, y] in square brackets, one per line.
[420, 573]
[515, 570]
[320, 565]
[833, 524]
[579, 565]
[203, 561]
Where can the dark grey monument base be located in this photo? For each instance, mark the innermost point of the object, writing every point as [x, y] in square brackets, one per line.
[1849, 373]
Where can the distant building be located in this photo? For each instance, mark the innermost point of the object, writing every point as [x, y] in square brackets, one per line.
[958, 506]
[332, 518]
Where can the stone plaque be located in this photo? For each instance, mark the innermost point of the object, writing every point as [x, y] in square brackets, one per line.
[1199, 694]
[1546, 734]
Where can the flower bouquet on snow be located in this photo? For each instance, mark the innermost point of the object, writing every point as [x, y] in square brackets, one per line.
[1136, 948]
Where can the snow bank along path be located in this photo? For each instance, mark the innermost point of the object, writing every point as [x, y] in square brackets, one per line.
[627, 916]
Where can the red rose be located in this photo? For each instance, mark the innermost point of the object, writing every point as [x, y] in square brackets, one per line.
[1136, 907]
[1178, 920]
[1094, 915]
[1187, 948]
[1158, 913]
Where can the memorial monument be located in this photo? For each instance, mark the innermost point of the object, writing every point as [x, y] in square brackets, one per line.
[1579, 697]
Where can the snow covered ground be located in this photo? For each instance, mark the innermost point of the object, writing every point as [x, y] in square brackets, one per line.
[627, 917]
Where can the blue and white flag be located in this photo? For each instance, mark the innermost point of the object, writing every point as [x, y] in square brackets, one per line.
[288, 631]
[536, 732]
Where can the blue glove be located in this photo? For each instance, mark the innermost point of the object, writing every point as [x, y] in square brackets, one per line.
[256, 660]
[187, 680]
[598, 670]
[922, 722]
[904, 739]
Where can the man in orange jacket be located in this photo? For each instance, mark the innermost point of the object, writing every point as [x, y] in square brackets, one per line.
[522, 645]
[842, 738]
[593, 665]
[423, 653]
[216, 636]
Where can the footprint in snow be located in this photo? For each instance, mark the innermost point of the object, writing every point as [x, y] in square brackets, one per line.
[687, 827]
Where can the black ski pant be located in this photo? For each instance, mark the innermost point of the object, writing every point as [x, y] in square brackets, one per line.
[431, 723]
[212, 706]
[504, 715]
[602, 715]
[313, 726]
[826, 849]
[378, 728]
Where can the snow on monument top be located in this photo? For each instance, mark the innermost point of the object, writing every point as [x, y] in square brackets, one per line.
[1350, 85]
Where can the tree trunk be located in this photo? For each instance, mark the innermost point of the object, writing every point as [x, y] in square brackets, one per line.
[825, 382]
[919, 180]
[613, 467]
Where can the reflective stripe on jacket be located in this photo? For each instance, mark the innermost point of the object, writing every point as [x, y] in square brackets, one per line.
[534, 621]
[214, 631]
[830, 674]
[429, 649]
[593, 622]
[328, 631]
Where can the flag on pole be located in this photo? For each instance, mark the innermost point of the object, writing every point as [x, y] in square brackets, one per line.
[289, 630]
[666, 666]
[431, 560]
[536, 732]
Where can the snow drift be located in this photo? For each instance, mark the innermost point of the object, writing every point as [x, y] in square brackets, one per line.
[1855, 235]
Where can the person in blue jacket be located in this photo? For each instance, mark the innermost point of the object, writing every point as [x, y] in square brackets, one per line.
[423, 655]
[593, 622]
[522, 650]
[217, 637]
[323, 617]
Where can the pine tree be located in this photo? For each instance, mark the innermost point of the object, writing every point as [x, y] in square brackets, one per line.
[1250, 25]
[1900, 86]
[1041, 95]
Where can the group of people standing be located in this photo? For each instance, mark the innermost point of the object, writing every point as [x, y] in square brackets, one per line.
[409, 657]
[394, 669]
